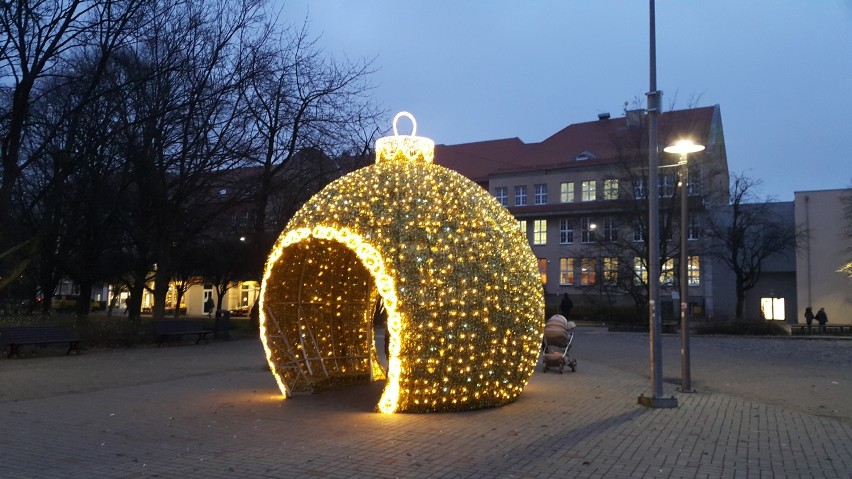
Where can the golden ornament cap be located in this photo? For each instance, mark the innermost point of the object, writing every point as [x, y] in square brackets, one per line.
[405, 147]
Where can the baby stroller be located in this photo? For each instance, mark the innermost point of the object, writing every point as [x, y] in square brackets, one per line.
[558, 337]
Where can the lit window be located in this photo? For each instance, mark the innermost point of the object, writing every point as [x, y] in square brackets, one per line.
[539, 232]
[588, 191]
[587, 271]
[640, 271]
[566, 192]
[520, 195]
[566, 231]
[610, 270]
[522, 225]
[587, 230]
[566, 271]
[693, 271]
[772, 308]
[541, 194]
[502, 195]
[542, 268]
[667, 272]
[610, 189]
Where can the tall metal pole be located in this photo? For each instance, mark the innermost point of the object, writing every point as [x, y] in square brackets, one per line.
[686, 380]
[657, 399]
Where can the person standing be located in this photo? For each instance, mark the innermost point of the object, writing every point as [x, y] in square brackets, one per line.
[809, 317]
[208, 306]
[566, 305]
[821, 318]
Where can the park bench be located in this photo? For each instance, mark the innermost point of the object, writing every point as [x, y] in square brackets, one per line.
[15, 337]
[167, 328]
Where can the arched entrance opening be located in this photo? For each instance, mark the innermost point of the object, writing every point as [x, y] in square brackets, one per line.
[318, 312]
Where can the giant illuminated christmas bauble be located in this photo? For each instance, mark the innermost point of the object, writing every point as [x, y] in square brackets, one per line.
[460, 285]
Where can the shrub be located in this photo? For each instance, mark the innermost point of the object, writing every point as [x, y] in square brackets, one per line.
[747, 327]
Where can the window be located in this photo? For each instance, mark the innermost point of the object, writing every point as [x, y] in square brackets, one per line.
[693, 230]
[588, 191]
[610, 229]
[539, 232]
[772, 308]
[522, 225]
[521, 195]
[502, 195]
[566, 192]
[566, 271]
[587, 230]
[666, 186]
[639, 231]
[587, 271]
[566, 231]
[541, 194]
[610, 270]
[667, 272]
[693, 183]
[640, 191]
[610, 189]
[586, 155]
[542, 268]
[640, 271]
[242, 218]
[693, 271]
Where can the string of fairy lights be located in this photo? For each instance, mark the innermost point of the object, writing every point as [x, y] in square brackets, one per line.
[458, 280]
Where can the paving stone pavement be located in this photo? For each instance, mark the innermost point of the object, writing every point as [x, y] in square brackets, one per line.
[214, 411]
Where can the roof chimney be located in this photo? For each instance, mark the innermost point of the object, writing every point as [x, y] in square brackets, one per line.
[603, 116]
[634, 118]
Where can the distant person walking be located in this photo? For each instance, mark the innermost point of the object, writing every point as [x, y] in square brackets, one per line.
[821, 318]
[208, 306]
[809, 317]
[566, 305]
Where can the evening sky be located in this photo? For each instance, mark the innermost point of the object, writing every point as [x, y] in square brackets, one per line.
[781, 71]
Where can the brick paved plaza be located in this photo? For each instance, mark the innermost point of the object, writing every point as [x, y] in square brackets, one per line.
[214, 411]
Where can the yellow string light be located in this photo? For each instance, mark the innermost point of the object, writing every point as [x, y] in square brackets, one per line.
[459, 282]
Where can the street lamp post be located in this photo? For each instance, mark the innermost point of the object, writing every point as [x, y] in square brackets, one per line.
[683, 148]
[655, 325]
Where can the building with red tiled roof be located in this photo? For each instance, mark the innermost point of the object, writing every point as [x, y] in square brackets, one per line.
[581, 197]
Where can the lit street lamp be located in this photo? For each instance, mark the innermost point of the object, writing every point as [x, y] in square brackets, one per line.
[683, 148]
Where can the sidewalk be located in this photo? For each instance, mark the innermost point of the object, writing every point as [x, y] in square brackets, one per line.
[214, 411]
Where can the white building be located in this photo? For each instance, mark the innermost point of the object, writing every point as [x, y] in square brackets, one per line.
[825, 250]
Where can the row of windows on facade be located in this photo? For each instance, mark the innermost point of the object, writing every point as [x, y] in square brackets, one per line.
[589, 191]
[608, 228]
[609, 270]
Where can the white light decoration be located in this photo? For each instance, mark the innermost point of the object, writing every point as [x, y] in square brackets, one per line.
[460, 285]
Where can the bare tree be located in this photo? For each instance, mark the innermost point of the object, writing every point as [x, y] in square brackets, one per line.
[184, 125]
[303, 101]
[747, 233]
[40, 41]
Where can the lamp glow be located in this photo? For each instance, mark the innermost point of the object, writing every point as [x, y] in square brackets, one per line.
[683, 147]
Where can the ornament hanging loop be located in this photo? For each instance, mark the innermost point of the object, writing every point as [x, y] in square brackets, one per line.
[410, 117]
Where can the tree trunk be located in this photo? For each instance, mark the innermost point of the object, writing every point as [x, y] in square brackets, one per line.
[161, 289]
[740, 298]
